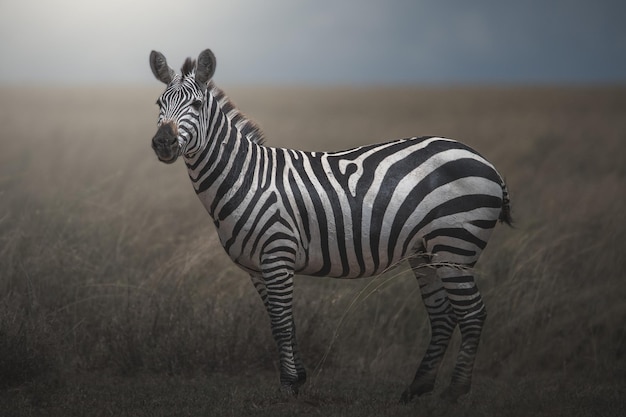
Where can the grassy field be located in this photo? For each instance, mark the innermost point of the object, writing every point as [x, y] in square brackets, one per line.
[117, 299]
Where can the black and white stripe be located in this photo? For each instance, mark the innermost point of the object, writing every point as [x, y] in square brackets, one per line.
[349, 214]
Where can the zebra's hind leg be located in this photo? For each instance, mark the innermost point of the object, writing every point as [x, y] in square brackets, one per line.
[442, 325]
[470, 312]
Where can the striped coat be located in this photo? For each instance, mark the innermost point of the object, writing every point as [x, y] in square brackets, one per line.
[349, 214]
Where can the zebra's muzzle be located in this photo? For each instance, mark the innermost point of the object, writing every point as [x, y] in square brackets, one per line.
[165, 143]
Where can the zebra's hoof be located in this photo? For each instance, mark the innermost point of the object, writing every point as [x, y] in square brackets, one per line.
[406, 397]
[289, 391]
[454, 392]
[416, 391]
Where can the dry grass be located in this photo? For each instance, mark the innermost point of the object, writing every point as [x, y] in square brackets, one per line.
[110, 266]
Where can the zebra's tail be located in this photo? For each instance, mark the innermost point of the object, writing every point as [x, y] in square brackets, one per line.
[505, 214]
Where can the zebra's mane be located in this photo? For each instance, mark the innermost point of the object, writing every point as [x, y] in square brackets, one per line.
[188, 67]
[246, 126]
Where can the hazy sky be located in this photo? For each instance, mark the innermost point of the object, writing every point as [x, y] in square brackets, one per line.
[317, 41]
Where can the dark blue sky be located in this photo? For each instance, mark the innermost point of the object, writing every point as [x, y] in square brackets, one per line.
[317, 41]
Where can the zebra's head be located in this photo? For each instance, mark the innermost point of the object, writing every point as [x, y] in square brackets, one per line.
[181, 104]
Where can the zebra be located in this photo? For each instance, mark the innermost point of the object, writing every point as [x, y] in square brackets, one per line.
[355, 213]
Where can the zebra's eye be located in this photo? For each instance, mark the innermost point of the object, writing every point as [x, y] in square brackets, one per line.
[196, 104]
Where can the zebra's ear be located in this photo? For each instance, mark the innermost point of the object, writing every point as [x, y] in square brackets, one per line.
[160, 69]
[205, 67]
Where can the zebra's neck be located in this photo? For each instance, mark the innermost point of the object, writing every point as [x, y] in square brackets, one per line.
[228, 140]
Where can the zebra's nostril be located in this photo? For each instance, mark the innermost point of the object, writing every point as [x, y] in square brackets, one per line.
[164, 137]
[163, 141]
[158, 144]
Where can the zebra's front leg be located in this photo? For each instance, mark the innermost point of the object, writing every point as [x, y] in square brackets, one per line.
[276, 291]
[296, 357]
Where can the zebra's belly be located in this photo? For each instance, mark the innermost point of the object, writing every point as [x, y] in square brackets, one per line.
[337, 254]
[353, 255]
